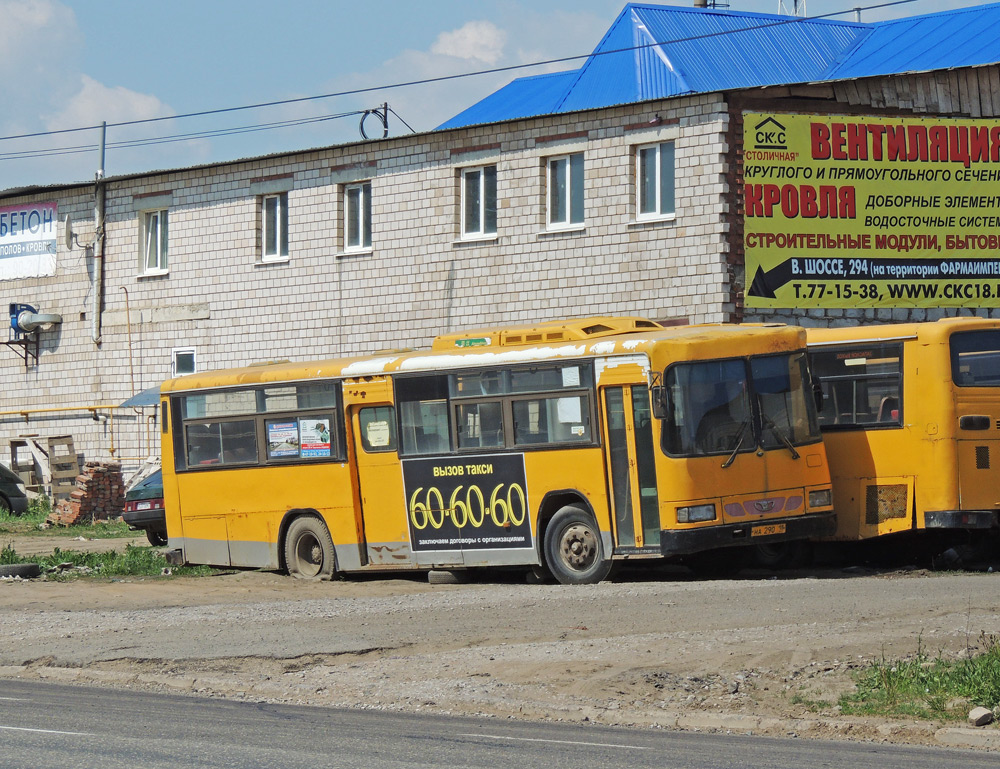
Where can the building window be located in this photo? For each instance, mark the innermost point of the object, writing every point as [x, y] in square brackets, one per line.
[565, 175]
[274, 218]
[479, 202]
[154, 242]
[183, 361]
[358, 216]
[655, 174]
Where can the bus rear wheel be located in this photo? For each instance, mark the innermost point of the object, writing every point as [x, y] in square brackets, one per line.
[309, 550]
[573, 549]
[782, 555]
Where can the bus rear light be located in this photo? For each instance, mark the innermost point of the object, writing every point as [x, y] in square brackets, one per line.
[821, 498]
[695, 513]
[974, 422]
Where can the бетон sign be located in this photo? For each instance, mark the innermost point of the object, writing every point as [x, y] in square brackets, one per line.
[27, 241]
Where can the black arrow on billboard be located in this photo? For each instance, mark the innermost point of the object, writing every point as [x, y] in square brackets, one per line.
[766, 283]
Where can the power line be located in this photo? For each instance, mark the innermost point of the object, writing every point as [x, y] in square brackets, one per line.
[206, 134]
[405, 84]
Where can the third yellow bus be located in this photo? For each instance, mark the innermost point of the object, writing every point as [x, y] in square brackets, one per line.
[911, 421]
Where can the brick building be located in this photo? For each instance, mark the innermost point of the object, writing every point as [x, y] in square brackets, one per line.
[613, 189]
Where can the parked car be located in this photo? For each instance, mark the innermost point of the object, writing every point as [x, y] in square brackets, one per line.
[12, 497]
[144, 508]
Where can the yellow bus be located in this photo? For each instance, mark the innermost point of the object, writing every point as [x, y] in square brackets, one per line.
[559, 447]
[911, 421]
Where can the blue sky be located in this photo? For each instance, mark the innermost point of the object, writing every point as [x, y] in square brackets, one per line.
[74, 63]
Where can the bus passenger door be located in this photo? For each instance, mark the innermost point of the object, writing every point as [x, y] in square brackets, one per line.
[372, 418]
[628, 438]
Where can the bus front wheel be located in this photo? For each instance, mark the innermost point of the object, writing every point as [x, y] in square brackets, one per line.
[309, 549]
[573, 549]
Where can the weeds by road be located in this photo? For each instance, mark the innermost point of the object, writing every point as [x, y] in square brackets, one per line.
[133, 562]
[929, 688]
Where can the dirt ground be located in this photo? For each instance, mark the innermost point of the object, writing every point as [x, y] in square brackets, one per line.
[761, 653]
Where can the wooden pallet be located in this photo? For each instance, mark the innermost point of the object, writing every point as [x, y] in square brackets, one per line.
[63, 466]
[46, 464]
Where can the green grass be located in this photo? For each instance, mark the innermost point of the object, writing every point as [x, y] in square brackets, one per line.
[929, 688]
[38, 510]
[133, 562]
[810, 704]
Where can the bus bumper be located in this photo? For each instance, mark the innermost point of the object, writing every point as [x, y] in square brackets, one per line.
[674, 542]
[960, 519]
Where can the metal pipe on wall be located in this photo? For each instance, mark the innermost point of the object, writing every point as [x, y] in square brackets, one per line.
[99, 212]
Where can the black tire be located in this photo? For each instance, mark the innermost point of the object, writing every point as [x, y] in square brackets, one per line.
[781, 555]
[309, 552]
[5, 508]
[23, 570]
[156, 539]
[574, 552]
[539, 574]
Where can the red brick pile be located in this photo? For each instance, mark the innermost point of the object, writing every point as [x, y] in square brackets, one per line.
[99, 496]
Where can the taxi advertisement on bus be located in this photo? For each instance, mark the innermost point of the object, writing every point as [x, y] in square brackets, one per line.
[871, 212]
[473, 502]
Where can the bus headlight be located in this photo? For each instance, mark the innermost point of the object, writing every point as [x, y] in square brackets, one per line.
[695, 513]
[821, 498]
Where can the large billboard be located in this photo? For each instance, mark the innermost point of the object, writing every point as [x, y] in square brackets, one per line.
[874, 212]
[27, 241]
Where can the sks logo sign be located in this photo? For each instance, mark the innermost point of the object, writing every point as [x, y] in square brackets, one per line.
[769, 134]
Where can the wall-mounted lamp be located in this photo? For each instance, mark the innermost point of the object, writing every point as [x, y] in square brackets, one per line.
[655, 120]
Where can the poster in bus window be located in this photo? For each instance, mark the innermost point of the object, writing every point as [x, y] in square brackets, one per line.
[314, 437]
[282, 439]
[467, 503]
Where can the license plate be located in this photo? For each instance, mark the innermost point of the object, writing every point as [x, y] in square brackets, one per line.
[143, 505]
[767, 530]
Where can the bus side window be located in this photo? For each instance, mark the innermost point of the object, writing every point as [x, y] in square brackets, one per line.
[888, 409]
[479, 425]
[378, 428]
[423, 414]
[425, 427]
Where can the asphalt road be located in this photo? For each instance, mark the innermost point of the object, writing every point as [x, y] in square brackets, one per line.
[44, 725]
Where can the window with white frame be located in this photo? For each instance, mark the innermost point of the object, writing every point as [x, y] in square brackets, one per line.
[182, 361]
[565, 179]
[154, 242]
[358, 216]
[274, 226]
[655, 180]
[479, 202]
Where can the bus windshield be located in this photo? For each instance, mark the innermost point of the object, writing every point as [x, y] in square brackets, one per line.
[975, 359]
[736, 405]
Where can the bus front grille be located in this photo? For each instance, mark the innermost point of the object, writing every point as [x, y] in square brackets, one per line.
[884, 502]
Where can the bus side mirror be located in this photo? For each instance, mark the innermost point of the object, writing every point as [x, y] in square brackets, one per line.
[659, 395]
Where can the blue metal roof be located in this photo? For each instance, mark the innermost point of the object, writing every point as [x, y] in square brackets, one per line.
[658, 51]
[699, 51]
[524, 97]
[965, 37]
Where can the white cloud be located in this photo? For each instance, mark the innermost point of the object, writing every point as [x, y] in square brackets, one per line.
[96, 102]
[31, 30]
[474, 46]
[475, 41]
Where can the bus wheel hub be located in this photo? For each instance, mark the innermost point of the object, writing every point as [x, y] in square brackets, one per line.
[579, 546]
